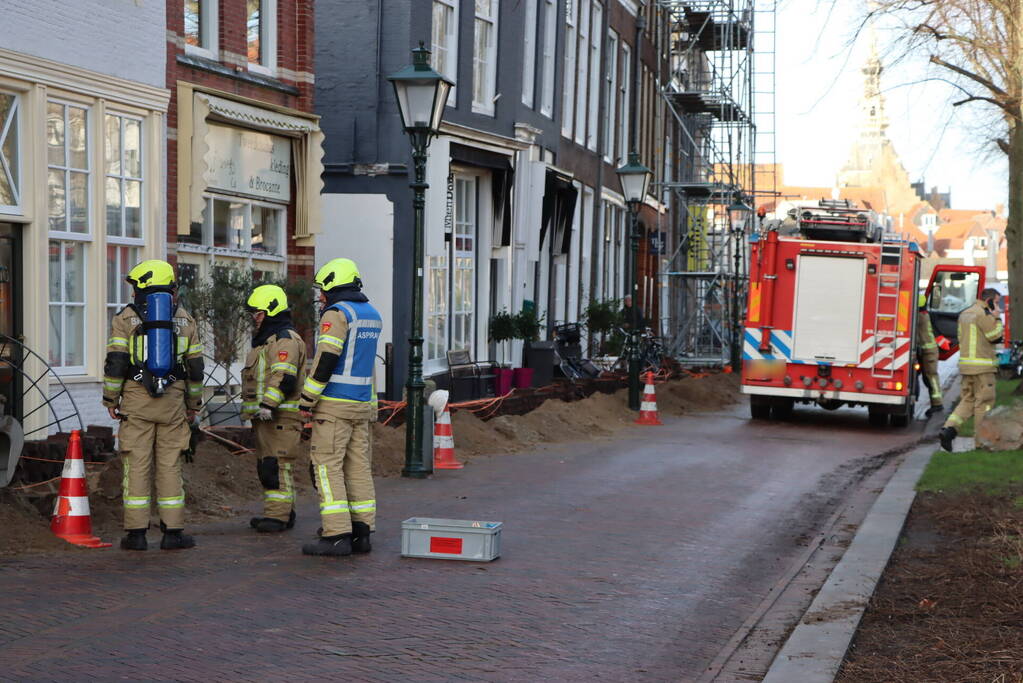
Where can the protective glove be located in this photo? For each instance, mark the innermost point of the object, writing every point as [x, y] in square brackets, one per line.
[193, 442]
[265, 414]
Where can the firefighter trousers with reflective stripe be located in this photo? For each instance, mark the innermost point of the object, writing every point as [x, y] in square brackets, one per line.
[976, 399]
[929, 369]
[340, 452]
[145, 446]
[279, 439]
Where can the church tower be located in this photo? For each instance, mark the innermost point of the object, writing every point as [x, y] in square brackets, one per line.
[873, 161]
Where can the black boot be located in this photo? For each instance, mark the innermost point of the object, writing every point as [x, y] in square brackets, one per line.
[945, 436]
[360, 537]
[934, 409]
[334, 546]
[173, 539]
[256, 521]
[135, 540]
[271, 525]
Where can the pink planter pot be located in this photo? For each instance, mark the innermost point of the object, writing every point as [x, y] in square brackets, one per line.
[523, 378]
[503, 380]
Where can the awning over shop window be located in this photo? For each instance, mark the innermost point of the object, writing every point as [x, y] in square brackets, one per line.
[501, 187]
[558, 210]
[306, 148]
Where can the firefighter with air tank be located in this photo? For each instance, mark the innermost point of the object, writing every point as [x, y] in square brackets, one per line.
[271, 383]
[927, 354]
[980, 328]
[152, 384]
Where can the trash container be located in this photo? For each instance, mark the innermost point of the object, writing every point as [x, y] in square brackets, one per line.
[539, 355]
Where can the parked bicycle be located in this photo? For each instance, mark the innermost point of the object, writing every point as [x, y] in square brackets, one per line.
[651, 352]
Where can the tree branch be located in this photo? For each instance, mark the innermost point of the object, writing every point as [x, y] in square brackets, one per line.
[935, 59]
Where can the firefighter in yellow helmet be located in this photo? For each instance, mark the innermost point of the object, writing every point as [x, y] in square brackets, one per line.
[271, 383]
[340, 399]
[980, 329]
[152, 384]
[927, 354]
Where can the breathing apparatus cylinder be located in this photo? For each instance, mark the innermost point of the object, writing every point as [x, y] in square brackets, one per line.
[159, 334]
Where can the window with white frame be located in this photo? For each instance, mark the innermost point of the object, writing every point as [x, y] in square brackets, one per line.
[445, 42]
[201, 27]
[437, 308]
[67, 305]
[625, 91]
[529, 55]
[611, 99]
[463, 280]
[569, 85]
[596, 33]
[550, 42]
[120, 260]
[241, 226]
[582, 74]
[10, 153]
[261, 35]
[123, 165]
[67, 202]
[484, 58]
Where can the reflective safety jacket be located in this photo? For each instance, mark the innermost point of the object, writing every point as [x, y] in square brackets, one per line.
[979, 331]
[274, 373]
[126, 357]
[925, 333]
[349, 331]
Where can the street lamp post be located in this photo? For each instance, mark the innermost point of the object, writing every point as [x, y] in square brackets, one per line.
[635, 179]
[738, 214]
[421, 93]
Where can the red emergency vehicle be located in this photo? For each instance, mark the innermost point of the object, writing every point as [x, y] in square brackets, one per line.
[831, 314]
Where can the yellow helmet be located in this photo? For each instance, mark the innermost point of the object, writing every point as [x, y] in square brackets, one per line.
[921, 301]
[337, 273]
[270, 299]
[152, 273]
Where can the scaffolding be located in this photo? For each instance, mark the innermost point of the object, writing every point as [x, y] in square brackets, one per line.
[720, 94]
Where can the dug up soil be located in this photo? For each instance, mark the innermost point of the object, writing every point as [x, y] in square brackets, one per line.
[949, 607]
[221, 482]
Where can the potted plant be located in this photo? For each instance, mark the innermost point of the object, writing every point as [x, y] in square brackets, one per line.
[604, 318]
[528, 325]
[503, 328]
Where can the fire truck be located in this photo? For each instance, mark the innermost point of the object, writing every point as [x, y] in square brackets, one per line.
[831, 313]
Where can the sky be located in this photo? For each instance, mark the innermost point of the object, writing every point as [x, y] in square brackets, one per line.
[818, 85]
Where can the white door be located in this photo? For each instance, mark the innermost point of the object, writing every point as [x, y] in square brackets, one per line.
[828, 317]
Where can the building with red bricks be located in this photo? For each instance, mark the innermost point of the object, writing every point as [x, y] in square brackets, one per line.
[243, 146]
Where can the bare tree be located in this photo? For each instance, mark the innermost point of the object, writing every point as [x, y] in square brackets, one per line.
[979, 46]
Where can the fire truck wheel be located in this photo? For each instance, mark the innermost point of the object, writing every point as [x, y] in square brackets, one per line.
[782, 409]
[877, 418]
[900, 421]
[760, 407]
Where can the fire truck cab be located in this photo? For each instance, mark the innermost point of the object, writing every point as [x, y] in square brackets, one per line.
[832, 310]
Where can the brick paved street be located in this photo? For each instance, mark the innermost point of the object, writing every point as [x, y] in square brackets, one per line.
[621, 560]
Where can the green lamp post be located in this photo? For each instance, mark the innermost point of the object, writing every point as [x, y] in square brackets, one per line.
[738, 215]
[421, 93]
[635, 179]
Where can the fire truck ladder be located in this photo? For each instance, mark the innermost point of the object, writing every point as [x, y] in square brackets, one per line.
[886, 307]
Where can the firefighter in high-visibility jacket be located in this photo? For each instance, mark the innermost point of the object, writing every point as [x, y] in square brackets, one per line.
[154, 411]
[271, 383]
[927, 353]
[339, 398]
[980, 329]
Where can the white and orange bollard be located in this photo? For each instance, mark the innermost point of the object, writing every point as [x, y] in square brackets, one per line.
[443, 436]
[648, 408]
[72, 520]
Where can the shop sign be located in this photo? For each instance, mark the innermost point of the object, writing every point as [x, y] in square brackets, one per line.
[249, 162]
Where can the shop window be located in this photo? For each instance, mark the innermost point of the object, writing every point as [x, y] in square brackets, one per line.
[238, 224]
[550, 38]
[445, 42]
[201, 27]
[120, 261]
[67, 305]
[261, 35]
[123, 145]
[68, 168]
[484, 58]
[10, 157]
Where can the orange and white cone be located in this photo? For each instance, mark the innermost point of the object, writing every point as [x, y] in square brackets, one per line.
[71, 518]
[443, 437]
[648, 408]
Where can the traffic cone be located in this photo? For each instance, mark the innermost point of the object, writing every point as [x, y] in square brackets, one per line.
[444, 443]
[71, 519]
[648, 408]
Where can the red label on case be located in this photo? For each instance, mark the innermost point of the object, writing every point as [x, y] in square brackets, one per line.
[448, 546]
